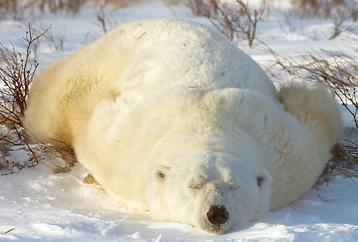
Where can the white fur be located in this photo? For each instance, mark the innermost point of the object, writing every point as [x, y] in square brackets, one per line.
[172, 118]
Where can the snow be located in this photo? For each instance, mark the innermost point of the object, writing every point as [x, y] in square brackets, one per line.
[41, 206]
[38, 205]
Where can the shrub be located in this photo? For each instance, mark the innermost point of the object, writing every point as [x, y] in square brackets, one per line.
[335, 70]
[342, 13]
[339, 73]
[16, 74]
[235, 20]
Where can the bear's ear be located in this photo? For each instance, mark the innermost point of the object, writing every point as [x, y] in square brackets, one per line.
[263, 179]
[160, 173]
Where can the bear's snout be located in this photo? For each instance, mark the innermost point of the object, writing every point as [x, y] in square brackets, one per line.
[217, 215]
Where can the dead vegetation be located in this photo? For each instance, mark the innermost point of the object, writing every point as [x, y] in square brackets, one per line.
[342, 13]
[55, 42]
[344, 162]
[339, 17]
[324, 8]
[17, 72]
[21, 9]
[53, 6]
[17, 75]
[104, 20]
[339, 73]
[18, 9]
[237, 20]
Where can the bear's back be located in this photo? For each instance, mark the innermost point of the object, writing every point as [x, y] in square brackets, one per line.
[173, 53]
[128, 64]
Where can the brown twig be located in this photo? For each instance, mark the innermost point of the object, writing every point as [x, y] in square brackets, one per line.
[235, 19]
[102, 19]
[17, 75]
[9, 230]
[339, 72]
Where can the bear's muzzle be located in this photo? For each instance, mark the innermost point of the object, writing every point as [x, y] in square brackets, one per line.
[217, 216]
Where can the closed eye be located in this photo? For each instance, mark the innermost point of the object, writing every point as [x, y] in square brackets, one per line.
[197, 183]
[195, 186]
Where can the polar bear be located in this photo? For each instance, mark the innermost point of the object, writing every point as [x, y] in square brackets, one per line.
[173, 119]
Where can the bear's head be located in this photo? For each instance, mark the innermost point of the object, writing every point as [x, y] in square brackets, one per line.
[212, 191]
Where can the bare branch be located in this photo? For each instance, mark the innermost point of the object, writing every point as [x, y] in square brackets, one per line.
[339, 72]
[102, 19]
[235, 19]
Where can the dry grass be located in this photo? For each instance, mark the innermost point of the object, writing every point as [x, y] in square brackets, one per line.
[342, 13]
[339, 17]
[344, 162]
[21, 9]
[337, 71]
[104, 20]
[16, 74]
[235, 20]
[324, 8]
[53, 6]
[121, 3]
[57, 43]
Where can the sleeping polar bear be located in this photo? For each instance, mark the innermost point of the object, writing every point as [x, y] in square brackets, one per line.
[173, 119]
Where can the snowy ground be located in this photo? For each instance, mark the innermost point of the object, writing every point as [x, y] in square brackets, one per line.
[37, 205]
[40, 206]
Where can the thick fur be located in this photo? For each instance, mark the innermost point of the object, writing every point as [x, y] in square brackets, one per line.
[314, 106]
[172, 118]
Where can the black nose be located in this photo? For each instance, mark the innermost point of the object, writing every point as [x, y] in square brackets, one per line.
[217, 215]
